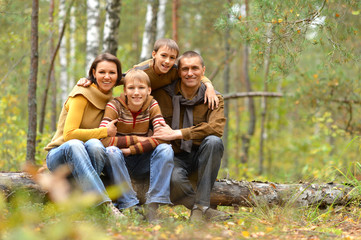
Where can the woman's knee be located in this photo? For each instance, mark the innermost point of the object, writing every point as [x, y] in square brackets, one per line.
[114, 154]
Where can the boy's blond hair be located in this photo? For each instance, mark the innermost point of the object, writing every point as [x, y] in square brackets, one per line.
[169, 43]
[136, 74]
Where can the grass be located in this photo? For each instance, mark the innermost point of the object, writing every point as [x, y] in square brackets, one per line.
[24, 216]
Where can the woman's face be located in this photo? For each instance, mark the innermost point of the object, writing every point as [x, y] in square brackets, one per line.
[106, 75]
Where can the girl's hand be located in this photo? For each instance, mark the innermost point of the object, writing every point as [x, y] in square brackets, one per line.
[111, 128]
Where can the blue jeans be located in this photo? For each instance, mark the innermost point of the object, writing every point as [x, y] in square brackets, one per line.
[86, 161]
[201, 166]
[157, 163]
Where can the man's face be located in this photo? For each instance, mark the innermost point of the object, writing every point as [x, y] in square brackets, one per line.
[191, 72]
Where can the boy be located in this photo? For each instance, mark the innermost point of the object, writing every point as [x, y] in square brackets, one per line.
[137, 112]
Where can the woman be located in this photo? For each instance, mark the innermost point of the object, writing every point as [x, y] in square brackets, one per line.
[76, 141]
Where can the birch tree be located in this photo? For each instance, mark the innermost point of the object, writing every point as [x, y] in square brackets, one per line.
[63, 75]
[93, 31]
[52, 76]
[161, 19]
[111, 26]
[34, 59]
[149, 29]
[72, 28]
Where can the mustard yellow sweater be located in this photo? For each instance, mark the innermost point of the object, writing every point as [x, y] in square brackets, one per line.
[81, 116]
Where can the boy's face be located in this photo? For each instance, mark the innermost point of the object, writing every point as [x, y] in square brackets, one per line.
[137, 92]
[164, 59]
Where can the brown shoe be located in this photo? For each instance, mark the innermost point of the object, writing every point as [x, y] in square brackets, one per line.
[196, 215]
[151, 212]
[215, 215]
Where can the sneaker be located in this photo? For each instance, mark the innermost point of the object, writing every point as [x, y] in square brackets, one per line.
[151, 212]
[196, 215]
[215, 215]
[109, 208]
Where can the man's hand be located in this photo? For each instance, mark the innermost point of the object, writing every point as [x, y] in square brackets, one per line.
[111, 128]
[125, 151]
[166, 133]
[211, 97]
[84, 82]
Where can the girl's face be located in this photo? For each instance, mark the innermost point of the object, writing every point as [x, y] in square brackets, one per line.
[164, 59]
[137, 92]
[106, 75]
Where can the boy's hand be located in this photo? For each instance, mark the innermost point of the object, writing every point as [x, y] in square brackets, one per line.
[111, 128]
[125, 151]
[211, 97]
[84, 82]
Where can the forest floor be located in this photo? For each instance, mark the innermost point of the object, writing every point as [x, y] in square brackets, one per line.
[23, 217]
[251, 223]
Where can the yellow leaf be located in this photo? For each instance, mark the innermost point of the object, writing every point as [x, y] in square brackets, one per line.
[269, 229]
[157, 227]
[355, 12]
[179, 229]
[280, 20]
[246, 234]
[315, 76]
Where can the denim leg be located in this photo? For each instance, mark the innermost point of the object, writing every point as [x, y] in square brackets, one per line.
[161, 166]
[119, 174]
[96, 152]
[74, 154]
[208, 157]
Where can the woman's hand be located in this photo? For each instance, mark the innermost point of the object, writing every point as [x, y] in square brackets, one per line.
[84, 82]
[111, 128]
[211, 97]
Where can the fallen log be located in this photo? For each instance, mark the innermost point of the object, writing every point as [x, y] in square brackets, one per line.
[227, 192]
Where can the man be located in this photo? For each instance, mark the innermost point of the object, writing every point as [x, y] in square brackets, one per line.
[195, 136]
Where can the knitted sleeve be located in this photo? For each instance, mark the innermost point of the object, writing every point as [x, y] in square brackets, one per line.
[76, 107]
[111, 113]
[155, 117]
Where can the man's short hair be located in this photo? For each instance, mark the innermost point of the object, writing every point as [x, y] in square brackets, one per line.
[169, 43]
[136, 74]
[190, 54]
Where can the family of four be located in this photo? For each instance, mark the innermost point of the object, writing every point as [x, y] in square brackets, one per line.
[167, 126]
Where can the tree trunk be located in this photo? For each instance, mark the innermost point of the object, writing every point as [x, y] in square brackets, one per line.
[228, 192]
[149, 30]
[267, 63]
[72, 47]
[93, 31]
[48, 80]
[226, 81]
[52, 74]
[161, 19]
[34, 59]
[175, 7]
[63, 75]
[111, 26]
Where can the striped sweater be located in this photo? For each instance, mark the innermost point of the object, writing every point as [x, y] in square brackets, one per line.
[130, 125]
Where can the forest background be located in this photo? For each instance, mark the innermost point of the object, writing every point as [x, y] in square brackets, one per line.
[301, 60]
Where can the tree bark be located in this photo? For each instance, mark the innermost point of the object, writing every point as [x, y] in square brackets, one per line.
[149, 30]
[34, 60]
[246, 138]
[251, 94]
[52, 74]
[263, 133]
[63, 74]
[111, 26]
[175, 6]
[93, 31]
[161, 19]
[48, 80]
[227, 192]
